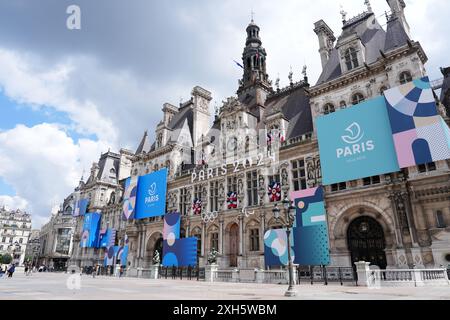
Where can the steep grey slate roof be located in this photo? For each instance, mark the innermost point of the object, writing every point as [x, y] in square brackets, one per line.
[185, 114]
[295, 107]
[107, 162]
[145, 145]
[374, 38]
[395, 36]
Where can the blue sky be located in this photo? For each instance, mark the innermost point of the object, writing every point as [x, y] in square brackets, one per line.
[67, 96]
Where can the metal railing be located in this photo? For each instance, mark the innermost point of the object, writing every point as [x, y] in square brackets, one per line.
[325, 275]
[185, 273]
[224, 275]
[275, 276]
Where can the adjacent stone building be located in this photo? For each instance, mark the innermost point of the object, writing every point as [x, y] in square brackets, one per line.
[266, 134]
[15, 229]
[56, 241]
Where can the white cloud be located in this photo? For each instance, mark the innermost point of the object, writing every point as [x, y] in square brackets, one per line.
[115, 89]
[13, 203]
[43, 165]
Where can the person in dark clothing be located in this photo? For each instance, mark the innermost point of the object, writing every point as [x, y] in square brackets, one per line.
[11, 270]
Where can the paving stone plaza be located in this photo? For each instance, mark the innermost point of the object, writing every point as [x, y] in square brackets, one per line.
[54, 286]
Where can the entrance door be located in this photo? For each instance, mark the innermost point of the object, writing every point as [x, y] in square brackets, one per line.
[234, 245]
[366, 242]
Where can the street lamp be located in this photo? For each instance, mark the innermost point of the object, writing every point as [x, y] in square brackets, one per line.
[291, 292]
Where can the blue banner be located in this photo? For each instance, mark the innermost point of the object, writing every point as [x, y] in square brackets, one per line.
[108, 238]
[180, 253]
[356, 143]
[80, 207]
[91, 230]
[151, 195]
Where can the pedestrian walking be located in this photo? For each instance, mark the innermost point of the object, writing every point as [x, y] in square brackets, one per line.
[26, 269]
[11, 270]
[121, 272]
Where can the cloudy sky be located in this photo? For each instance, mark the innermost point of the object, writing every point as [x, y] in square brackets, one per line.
[68, 95]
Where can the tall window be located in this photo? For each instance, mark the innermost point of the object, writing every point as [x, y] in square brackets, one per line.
[357, 98]
[299, 174]
[351, 59]
[424, 168]
[232, 184]
[371, 180]
[214, 196]
[440, 219]
[252, 188]
[184, 202]
[405, 77]
[254, 240]
[215, 241]
[328, 108]
[198, 192]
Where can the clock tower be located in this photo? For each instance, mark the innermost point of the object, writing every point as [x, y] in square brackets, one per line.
[254, 85]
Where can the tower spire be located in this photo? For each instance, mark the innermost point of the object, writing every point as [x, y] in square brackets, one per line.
[254, 60]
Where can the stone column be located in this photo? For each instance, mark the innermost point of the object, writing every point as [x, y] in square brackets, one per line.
[419, 218]
[220, 236]
[431, 221]
[138, 251]
[241, 235]
[446, 212]
[397, 229]
[203, 239]
[262, 228]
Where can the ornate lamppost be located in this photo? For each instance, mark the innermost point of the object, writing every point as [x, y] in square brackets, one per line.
[289, 210]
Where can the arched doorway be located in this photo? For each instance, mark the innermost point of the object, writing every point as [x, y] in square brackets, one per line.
[155, 243]
[234, 245]
[366, 242]
[158, 247]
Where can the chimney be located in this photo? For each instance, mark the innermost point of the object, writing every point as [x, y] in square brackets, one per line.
[326, 40]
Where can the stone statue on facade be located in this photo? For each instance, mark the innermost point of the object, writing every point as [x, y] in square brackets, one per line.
[212, 256]
[156, 258]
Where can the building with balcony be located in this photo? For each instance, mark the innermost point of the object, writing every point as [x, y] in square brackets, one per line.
[15, 229]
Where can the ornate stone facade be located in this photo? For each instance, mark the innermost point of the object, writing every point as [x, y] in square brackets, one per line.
[263, 135]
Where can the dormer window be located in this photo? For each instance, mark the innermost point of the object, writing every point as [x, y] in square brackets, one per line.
[351, 59]
[405, 77]
[328, 108]
[357, 98]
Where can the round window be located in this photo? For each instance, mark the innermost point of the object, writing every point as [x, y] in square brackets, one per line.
[447, 257]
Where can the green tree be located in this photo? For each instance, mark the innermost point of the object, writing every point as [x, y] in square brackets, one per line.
[6, 258]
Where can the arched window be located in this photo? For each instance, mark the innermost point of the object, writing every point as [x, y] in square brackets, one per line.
[328, 108]
[405, 77]
[357, 98]
[343, 104]
[351, 59]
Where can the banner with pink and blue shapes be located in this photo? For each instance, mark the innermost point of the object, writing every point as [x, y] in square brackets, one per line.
[311, 244]
[129, 198]
[171, 229]
[177, 252]
[420, 134]
[275, 248]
